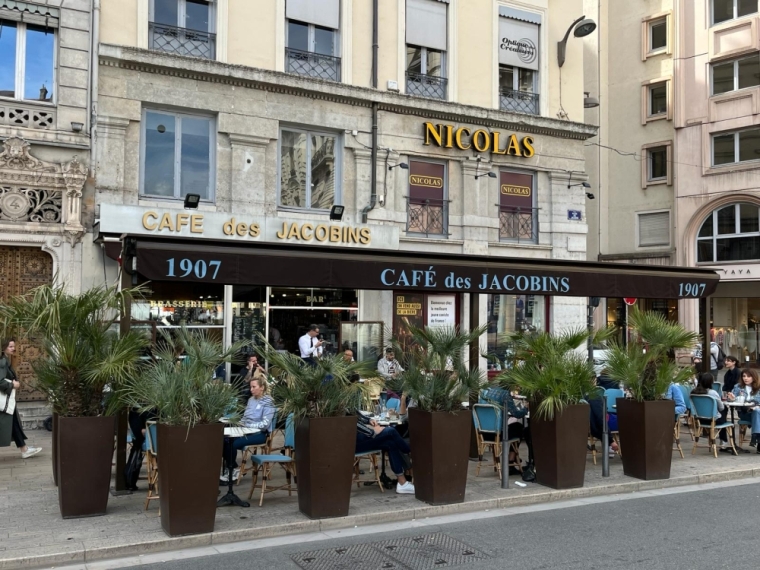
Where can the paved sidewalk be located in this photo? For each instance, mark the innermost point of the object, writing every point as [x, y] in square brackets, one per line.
[32, 533]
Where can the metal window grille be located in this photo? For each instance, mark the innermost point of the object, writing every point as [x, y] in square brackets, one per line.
[519, 101]
[182, 41]
[313, 64]
[427, 216]
[518, 224]
[426, 85]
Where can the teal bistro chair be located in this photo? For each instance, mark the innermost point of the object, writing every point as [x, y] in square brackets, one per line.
[151, 440]
[487, 421]
[612, 395]
[718, 387]
[393, 404]
[705, 410]
[262, 465]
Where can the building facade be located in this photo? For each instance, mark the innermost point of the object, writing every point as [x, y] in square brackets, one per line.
[268, 113]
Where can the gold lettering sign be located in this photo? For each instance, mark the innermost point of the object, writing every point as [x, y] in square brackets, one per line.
[427, 181]
[411, 312]
[481, 139]
[415, 306]
[515, 190]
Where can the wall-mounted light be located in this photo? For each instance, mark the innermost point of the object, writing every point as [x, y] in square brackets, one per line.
[583, 27]
[584, 184]
[192, 201]
[590, 196]
[336, 213]
[589, 102]
[490, 174]
[401, 165]
[77, 127]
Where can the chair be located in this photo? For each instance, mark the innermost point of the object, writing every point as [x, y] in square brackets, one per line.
[393, 404]
[151, 438]
[266, 448]
[706, 408]
[286, 459]
[374, 457]
[488, 428]
[685, 392]
[611, 395]
[718, 387]
[677, 436]
[743, 424]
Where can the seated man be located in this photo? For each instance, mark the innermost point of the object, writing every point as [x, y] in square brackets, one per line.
[674, 393]
[388, 367]
[370, 437]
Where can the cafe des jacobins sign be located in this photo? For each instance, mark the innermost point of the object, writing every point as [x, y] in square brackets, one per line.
[481, 140]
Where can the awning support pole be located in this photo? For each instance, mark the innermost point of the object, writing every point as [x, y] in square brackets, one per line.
[704, 312]
[474, 363]
[122, 419]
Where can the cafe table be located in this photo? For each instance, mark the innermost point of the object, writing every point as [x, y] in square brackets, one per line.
[733, 406]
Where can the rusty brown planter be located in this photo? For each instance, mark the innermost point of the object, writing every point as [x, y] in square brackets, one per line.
[646, 437]
[188, 477]
[325, 449]
[440, 443]
[84, 454]
[559, 447]
[54, 447]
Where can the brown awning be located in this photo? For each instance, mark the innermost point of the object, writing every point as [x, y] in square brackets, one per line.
[309, 266]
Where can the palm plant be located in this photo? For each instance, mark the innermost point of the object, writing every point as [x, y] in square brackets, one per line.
[84, 357]
[646, 366]
[436, 375]
[181, 392]
[323, 390]
[549, 369]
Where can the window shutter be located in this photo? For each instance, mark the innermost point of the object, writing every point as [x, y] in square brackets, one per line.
[35, 14]
[426, 24]
[654, 229]
[318, 12]
[518, 38]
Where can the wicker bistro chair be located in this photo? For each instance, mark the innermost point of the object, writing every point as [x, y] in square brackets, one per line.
[706, 408]
[375, 457]
[677, 435]
[262, 465]
[487, 421]
[262, 449]
[151, 438]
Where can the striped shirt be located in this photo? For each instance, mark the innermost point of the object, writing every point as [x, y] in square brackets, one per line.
[259, 413]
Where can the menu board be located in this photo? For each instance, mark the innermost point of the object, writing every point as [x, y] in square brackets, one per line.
[441, 310]
[246, 325]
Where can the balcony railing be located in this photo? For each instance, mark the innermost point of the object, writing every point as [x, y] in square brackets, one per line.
[427, 216]
[426, 85]
[313, 64]
[182, 41]
[518, 224]
[519, 101]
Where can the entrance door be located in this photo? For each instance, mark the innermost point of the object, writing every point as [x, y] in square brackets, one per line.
[23, 269]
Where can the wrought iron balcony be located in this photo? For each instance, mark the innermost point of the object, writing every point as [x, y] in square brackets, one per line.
[182, 41]
[518, 224]
[313, 64]
[426, 85]
[427, 216]
[519, 101]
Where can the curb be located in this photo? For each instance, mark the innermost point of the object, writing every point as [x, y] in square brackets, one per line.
[80, 555]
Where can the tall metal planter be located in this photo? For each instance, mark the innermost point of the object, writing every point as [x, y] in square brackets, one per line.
[55, 449]
[559, 447]
[646, 437]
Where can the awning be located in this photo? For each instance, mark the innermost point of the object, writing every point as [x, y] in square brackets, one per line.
[311, 266]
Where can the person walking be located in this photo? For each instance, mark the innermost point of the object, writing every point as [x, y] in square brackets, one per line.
[9, 385]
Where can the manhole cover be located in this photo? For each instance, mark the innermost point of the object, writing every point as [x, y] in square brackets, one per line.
[422, 552]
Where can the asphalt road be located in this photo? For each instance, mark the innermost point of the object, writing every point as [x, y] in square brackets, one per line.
[712, 528]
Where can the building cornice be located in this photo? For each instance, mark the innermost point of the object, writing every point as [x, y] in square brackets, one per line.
[149, 61]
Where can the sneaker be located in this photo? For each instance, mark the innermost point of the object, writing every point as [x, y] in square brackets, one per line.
[30, 451]
[405, 489]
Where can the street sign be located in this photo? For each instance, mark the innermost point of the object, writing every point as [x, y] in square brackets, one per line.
[629, 300]
[574, 215]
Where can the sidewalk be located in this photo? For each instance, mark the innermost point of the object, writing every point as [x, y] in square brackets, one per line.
[32, 533]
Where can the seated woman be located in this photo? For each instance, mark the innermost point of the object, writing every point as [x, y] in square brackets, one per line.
[749, 387]
[515, 427]
[704, 387]
[370, 436]
[259, 414]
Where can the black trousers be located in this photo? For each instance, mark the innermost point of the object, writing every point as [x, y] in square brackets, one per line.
[17, 432]
[517, 429]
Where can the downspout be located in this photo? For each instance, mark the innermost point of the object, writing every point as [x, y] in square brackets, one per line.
[93, 118]
[373, 155]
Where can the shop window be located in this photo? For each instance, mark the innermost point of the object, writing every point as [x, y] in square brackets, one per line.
[730, 233]
[518, 218]
[741, 146]
[427, 204]
[658, 35]
[724, 10]
[654, 229]
[426, 42]
[309, 169]
[657, 99]
[423, 310]
[508, 314]
[27, 60]
[736, 327]
[737, 74]
[178, 153]
[183, 27]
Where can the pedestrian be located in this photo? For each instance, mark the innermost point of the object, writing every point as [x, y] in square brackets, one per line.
[9, 384]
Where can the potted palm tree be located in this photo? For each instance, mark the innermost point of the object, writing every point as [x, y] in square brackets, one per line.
[438, 380]
[176, 387]
[83, 361]
[556, 379]
[322, 400]
[646, 366]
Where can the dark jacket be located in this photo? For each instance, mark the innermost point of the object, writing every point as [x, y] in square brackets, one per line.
[731, 379]
[6, 373]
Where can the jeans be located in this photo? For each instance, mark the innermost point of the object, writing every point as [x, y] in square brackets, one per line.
[17, 432]
[753, 416]
[238, 443]
[388, 441]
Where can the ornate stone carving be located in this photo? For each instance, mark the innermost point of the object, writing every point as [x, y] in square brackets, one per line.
[15, 155]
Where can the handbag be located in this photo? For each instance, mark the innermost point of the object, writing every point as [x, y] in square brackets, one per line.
[8, 401]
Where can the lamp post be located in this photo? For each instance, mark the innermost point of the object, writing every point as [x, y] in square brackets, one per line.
[583, 27]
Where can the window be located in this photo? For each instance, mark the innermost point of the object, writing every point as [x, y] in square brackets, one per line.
[730, 233]
[736, 147]
[723, 10]
[657, 163]
[309, 169]
[654, 229]
[517, 89]
[427, 206]
[518, 219]
[183, 27]
[658, 35]
[425, 72]
[312, 43]
[27, 61]
[508, 314]
[177, 155]
[426, 43]
[737, 74]
[658, 99]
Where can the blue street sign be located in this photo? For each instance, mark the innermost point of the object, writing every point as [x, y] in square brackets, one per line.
[574, 215]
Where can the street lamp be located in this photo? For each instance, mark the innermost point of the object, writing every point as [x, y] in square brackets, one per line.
[583, 27]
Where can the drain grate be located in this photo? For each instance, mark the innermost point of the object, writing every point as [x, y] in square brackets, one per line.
[423, 552]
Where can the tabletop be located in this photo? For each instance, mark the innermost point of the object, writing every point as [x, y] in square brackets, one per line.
[386, 421]
[740, 404]
[240, 431]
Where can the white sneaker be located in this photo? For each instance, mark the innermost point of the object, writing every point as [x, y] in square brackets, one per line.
[30, 451]
[405, 489]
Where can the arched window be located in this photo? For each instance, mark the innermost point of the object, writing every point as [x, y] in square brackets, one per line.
[730, 233]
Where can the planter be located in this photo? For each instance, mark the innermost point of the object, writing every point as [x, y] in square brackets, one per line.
[440, 443]
[84, 455]
[188, 477]
[646, 437]
[325, 449]
[559, 447]
[55, 449]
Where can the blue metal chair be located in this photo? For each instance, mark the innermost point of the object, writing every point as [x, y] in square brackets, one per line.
[705, 410]
[488, 428]
[718, 387]
[393, 404]
[151, 439]
[286, 459]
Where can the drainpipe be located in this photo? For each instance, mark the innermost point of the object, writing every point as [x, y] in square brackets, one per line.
[94, 82]
[373, 156]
